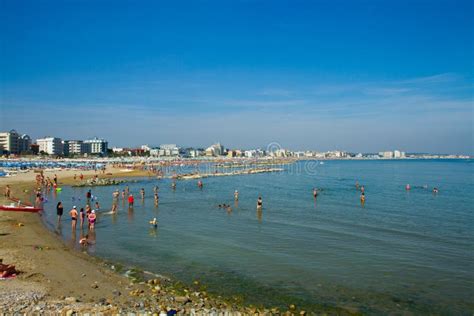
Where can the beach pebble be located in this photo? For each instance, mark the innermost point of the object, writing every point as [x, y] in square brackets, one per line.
[70, 299]
[182, 299]
[116, 292]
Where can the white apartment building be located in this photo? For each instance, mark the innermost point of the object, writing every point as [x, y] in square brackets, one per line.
[74, 147]
[9, 142]
[168, 150]
[96, 146]
[398, 154]
[50, 145]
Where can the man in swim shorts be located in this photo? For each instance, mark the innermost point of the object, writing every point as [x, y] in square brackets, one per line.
[73, 214]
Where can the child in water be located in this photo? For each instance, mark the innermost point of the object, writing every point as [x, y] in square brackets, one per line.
[154, 223]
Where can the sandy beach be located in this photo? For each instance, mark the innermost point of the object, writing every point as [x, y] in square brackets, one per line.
[56, 279]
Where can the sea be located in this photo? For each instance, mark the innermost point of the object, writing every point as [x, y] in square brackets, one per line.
[403, 251]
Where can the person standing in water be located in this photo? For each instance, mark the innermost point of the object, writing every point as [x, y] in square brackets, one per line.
[130, 200]
[142, 193]
[157, 198]
[82, 214]
[362, 189]
[362, 198]
[315, 193]
[92, 218]
[259, 203]
[236, 195]
[59, 210]
[173, 185]
[73, 214]
[407, 187]
[200, 185]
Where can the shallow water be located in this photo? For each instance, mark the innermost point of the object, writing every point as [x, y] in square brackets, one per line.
[401, 251]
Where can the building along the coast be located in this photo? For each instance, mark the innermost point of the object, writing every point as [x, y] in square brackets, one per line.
[215, 150]
[96, 146]
[168, 150]
[50, 145]
[74, 147]
[24, 143]
[9, 142]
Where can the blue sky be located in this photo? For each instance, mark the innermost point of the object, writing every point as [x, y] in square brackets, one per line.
[361, 76]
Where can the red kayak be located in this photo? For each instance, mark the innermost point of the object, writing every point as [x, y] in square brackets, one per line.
[30, 209]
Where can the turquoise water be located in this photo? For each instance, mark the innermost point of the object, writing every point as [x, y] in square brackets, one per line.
[402, 251]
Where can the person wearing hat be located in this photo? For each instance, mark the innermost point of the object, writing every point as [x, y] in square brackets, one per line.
[73, 214]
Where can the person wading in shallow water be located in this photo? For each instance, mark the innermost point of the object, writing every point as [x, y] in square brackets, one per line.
[130, 200]
[259, 203]
[362, 198]
[73, 214]
[59, 210]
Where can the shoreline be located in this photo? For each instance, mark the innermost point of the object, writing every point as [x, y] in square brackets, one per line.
[56, 278]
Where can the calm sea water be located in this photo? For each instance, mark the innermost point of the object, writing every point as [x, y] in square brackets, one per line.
[403, 250]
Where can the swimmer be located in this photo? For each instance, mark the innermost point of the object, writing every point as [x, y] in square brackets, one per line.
[83, 241]
[236, 195]
[259, 203]
[154, 222]
[97, 206]
[142, 193]
[362, 198]
[200, 184]
[173, 185]
[362, 189]
[73, 214]
[407, 187]
[357, 185]
[155, 189]
[315, 193]
[435, 190]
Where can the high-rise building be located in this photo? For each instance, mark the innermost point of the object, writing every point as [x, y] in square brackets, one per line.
[74, 147]
[96, 146]
[50, 145]
[9, 142]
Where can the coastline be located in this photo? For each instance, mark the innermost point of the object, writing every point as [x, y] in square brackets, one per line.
[54, 278]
